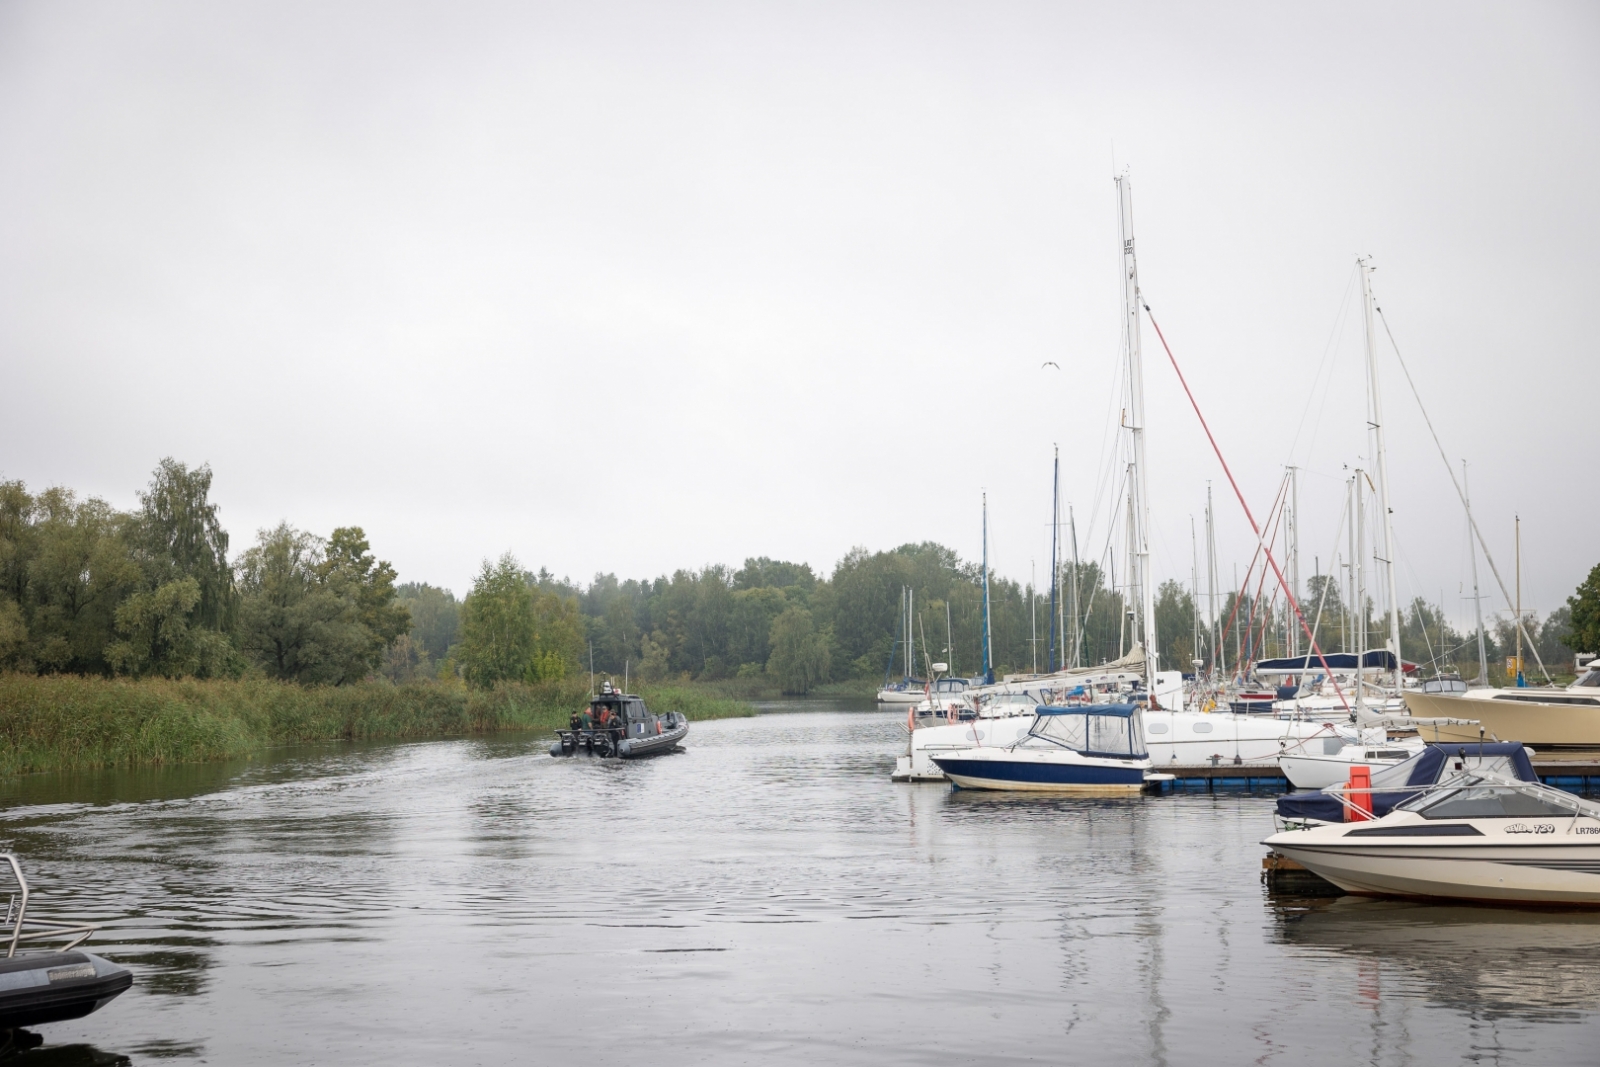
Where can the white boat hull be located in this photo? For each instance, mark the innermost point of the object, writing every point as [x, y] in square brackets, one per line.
[1539, 860]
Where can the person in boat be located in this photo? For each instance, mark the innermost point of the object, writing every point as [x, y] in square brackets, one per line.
[586, 718]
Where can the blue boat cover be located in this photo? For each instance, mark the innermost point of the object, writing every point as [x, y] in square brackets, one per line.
[1123, 711]
[1423, 769]
[1376, 658]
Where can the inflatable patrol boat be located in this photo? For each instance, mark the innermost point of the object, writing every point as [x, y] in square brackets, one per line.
[49, 985]
[619, 724]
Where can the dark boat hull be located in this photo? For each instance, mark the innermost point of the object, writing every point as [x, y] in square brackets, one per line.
[652, 744]
[49, 987]
[604, 743]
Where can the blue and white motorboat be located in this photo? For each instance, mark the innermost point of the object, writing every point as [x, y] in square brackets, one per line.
[1084, 748]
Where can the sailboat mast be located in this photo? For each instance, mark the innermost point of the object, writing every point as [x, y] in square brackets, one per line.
[1294, 558]
[1077, 615]
[988, 645]
[1521, 681]
[1140, 483]
[1211, 585]
[1055, 567]
[1383, 470]
[1360, 577]
[1477, 602]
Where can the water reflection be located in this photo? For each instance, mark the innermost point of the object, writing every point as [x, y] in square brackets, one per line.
[766, 896]
[1493, 961]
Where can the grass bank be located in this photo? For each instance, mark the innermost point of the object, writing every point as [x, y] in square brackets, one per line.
[70, 723]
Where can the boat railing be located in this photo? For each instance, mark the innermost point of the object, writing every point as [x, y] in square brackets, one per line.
[1465, 780]
[24, 929]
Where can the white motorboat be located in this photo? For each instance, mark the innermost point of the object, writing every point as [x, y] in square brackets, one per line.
[1082, 748]
[1003, 712]
[1314, 767]
[1475, 836]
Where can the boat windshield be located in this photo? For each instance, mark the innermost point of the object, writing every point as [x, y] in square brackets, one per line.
[1477, 799]
[1106, 730]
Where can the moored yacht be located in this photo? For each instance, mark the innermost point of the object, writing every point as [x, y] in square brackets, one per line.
[1082, 748]
[1546, 716]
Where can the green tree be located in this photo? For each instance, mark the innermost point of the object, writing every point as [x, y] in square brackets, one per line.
[351, 573]
[159, 636]
[316, 611]
[513, 630]
[1584, 632]
[800, 657]
[178, 535]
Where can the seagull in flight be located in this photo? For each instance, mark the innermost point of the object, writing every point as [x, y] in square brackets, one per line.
[1049, 363]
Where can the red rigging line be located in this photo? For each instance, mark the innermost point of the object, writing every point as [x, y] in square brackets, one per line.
[1256, 529]
[1244, 587]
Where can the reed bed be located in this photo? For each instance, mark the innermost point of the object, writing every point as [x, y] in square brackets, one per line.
[63, 722]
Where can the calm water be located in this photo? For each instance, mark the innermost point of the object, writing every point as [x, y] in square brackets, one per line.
[768, 896]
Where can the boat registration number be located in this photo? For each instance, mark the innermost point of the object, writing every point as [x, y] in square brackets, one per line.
[1536, 828]
[63, 974]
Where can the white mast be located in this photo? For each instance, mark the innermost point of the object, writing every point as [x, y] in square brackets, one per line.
[1359, 577]
[1211, 589]
[1077, 614]
[1294, 558]
[1477, 601]
[1139, 484]
[1383, 470]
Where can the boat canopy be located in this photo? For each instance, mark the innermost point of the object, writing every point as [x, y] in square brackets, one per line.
[1114, 730]
[1392, 785]
[1380, 659]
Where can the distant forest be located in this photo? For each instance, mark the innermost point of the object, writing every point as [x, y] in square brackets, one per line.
[87, 589]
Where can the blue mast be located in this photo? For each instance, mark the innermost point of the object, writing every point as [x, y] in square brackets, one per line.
[988, 644]
[1055, 570]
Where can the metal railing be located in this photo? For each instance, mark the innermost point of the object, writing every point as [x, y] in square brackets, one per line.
[24, 929]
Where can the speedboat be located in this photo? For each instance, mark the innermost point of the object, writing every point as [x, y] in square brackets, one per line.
[1546, 716]
[619, 724]
[1400, 782]
[1002, 713]
[1476, 835]
[1082, 748]
[50, 985]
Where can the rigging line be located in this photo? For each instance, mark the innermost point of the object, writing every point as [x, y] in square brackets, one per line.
[1322, 598]
[1235, 485]
[1244, 588]
[1451, 471]
[1336, 332]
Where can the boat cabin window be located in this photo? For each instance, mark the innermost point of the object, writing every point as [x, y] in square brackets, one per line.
[1486, 802]
[1444, 685]
[1102, 733]
[1590, 679]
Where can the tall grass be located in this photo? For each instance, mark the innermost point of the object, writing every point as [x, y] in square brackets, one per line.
[74, 723]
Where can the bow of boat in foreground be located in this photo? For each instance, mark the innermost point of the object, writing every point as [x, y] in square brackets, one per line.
[48, 985]
[1475, 836]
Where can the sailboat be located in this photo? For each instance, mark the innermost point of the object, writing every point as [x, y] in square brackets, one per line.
[910, 689]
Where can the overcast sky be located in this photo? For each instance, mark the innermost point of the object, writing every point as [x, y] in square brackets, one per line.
[638, 287]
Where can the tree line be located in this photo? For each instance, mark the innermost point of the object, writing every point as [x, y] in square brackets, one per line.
[87, 589]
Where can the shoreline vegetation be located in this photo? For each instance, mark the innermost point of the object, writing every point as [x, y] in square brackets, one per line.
[70, 723]
[142, 637]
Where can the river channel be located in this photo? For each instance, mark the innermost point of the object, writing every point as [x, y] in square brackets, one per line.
[767, 896]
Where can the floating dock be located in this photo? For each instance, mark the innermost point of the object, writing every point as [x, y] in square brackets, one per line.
[1577, 772]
